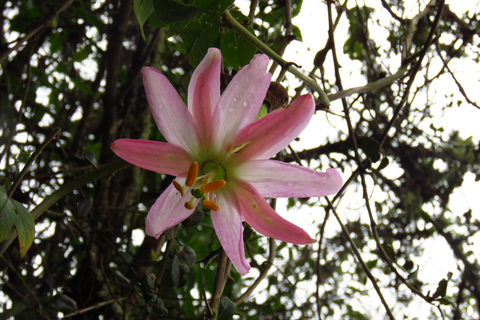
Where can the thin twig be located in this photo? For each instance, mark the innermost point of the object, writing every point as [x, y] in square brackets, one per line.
[263, 273]
[39, 28]
[103, 172]
[30, 161]
[28, 287]
[360, 259]
[459, 85]
[96, 306]
[414, 72]
[358, 161]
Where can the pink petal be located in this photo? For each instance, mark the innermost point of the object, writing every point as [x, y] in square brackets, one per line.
[153, 155]
[228, 226]
[258, 213]
[204, 92]
[168, 210]
[269, 135]
[170, 113]
[274, 179]
[242, 99]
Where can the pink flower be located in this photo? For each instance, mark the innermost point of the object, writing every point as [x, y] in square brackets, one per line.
[220, 155]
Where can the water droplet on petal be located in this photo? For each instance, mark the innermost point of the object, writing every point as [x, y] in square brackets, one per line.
[245, 104]
[160, 106]
[231, 109]
[235, 99]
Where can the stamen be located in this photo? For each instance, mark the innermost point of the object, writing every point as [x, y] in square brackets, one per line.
[178, 187]
[192, 174]
[210, 205]
[212, 186]
[189, 206]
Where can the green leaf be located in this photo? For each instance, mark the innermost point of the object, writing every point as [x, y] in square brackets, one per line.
[148, 286]
[13, 311]
[208, 5]
[143, 9]
[226, 310]
[383, 164]
[446, 302]
[372, 264]
[82, 86]
[297, 32]
[441, 291]
[179, 273]
[169, 11]
[194, 219]
[159, 308]
[82, 54]
[186, 255]
[236, 50]
[371, 148]
[200, 35]
[14, 215]
[390, 251]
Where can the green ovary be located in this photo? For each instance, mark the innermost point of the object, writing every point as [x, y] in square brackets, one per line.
[214, 170]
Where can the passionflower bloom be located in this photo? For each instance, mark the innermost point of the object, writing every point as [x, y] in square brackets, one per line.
[220, 155]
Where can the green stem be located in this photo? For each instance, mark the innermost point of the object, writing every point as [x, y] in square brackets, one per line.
[278, 59]
[100, 173]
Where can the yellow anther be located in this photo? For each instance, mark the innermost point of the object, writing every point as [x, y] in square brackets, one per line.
[178, 187]
[189, 206]
[210, 205]
[192, 174]
[212, 186]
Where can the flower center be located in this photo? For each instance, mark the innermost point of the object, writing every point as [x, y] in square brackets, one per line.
[215, 168]
[201, 187]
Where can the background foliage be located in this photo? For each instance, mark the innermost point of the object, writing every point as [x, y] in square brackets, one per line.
[70, 86]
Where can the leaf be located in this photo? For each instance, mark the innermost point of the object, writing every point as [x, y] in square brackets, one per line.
[200, 35]
[390, 251]
[13, 311]
[186, 255]
[143, 9]
[169, 11]
[441, 289]
[148, 286]
[383, 164]
[82, 54]
[194, 219]
[208, 5]
[236, 50]
[297, 32]
[371, 148]
[372, 264]
[159, 308]
[226, 310]
[179, 273]
[82, 86]
[14, 215]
